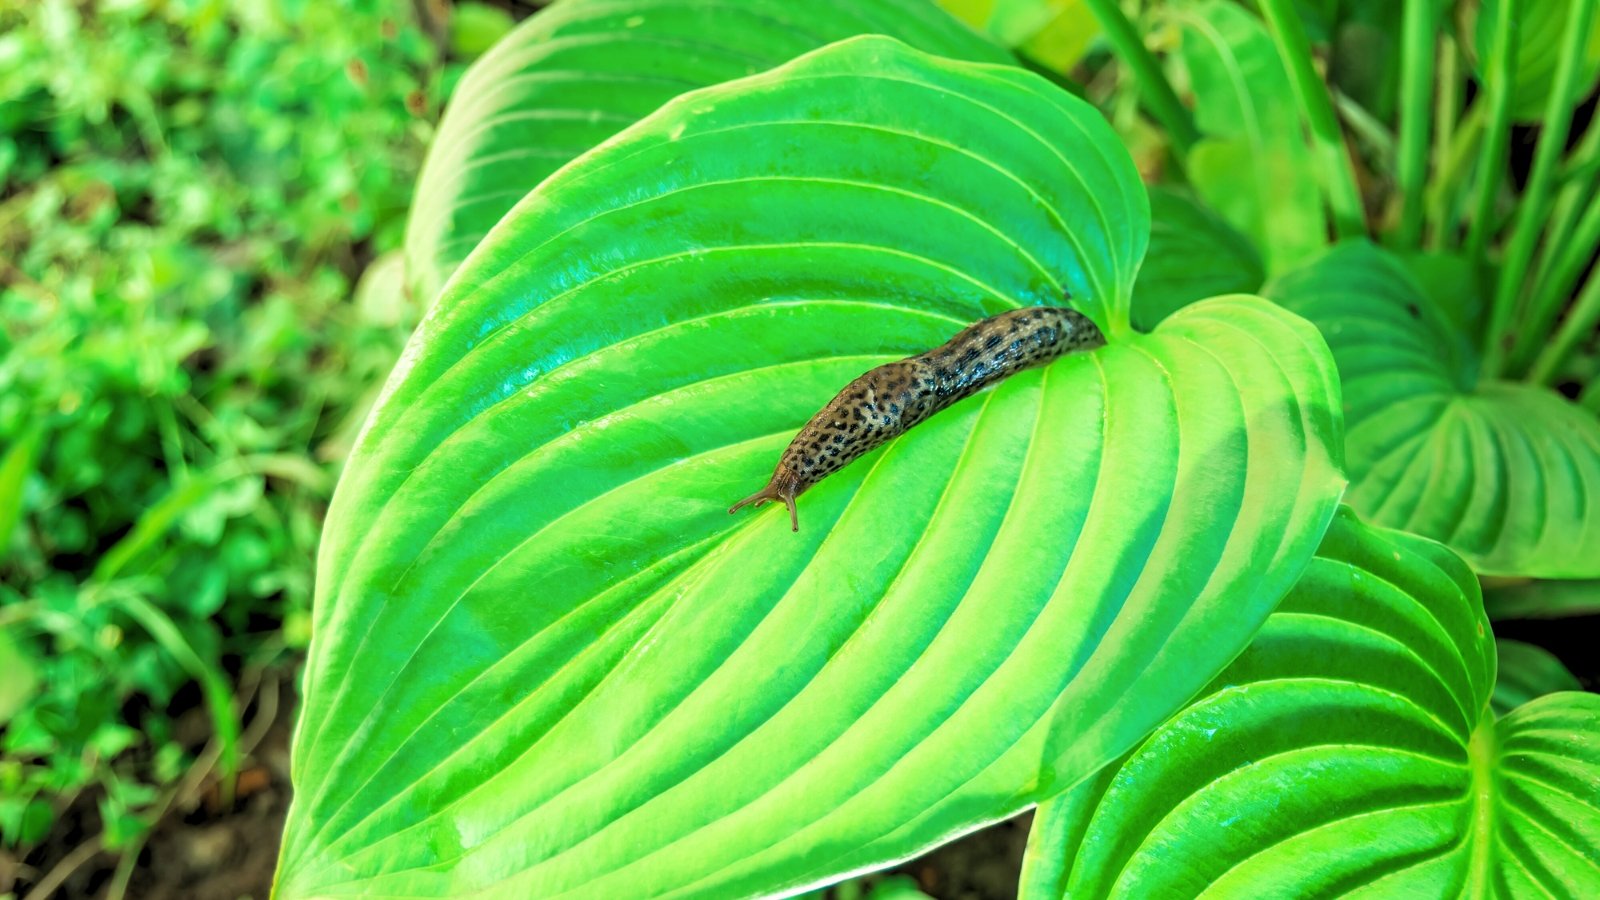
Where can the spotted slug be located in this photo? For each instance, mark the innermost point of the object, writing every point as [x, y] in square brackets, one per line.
[892, 398]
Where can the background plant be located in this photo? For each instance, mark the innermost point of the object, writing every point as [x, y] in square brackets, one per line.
[187, 359]
[187, 193]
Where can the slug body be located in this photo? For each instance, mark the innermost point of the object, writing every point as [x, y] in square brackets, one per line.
[890, 399]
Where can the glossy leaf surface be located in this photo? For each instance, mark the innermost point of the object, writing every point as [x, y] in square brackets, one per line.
[1506, 474]
[1253, 165]
[1350, 751]
[579, 71]
[548, 662]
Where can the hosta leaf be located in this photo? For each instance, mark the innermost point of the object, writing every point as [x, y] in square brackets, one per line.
[1193, 255]
[1526, 672]
[548, 662]
[579, 71]
[1507, 474]
[1541, 24]
[1543, 600]
[1252, 165]
[1350, 750]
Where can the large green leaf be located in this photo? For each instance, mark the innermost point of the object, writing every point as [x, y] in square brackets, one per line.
[1507, 474]
[546, 659]
[580, 71]
[1541, 24]
[1253, 164]
[1194, 254]
[1350, 751]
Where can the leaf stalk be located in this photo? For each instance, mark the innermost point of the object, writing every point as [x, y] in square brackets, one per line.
[1536, 199]
[1344, 198]
[1160, 100]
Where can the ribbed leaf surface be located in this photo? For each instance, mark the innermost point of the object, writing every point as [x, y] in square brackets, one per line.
[1506, 474]
[580, 71]
[548, 663]
[1349, 751]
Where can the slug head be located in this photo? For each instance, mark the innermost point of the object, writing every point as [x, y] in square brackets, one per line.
[785, 485]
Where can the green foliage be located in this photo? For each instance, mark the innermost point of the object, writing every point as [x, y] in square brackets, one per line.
[1525, 672]
[1543, 599]
[544, 659]
[187, 190]
[540, 622]
[1351, 748]
[1194, 254]
[1252, 166]
[1055, 33]
[578, 73]
[1507, 474]
[1541, 26]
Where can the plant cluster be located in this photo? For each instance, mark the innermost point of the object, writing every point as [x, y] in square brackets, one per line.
[1208, 597]
[188, 191]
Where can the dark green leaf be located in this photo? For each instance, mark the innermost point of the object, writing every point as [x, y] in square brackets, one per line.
[1350, 750]
[1507, 474]
[1543, 600]
[1526, 672]
[1541, 25]
[1194, 254]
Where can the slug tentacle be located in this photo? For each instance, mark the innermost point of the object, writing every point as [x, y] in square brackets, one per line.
[893, 397]
[785, 485]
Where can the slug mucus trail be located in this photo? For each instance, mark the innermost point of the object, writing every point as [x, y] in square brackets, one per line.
[892, 398]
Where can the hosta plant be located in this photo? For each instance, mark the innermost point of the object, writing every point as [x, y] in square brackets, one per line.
[655, 236]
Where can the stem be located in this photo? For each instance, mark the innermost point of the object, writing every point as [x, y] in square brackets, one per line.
[1444, 125]
[1482, 754]
[1577, 183]
[1444, 195]
[1566, 258]
[1536, 199]
[1159, 98]
[1367, 129]
[1578, 168]
[1344, 199]
[1416, 83]
[1497, 100]
[1580, 323]
[46, 887]
[1590, 398]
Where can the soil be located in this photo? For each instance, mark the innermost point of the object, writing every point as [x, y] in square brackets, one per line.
[205, 850]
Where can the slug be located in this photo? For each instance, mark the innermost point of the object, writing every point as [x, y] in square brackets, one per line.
[892, 398]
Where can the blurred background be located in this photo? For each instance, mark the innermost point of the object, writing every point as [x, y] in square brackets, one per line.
[190, 193]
